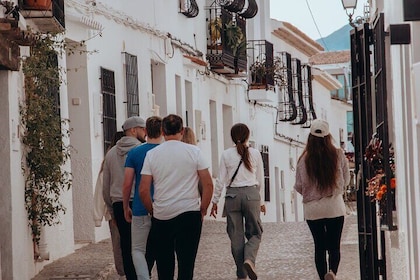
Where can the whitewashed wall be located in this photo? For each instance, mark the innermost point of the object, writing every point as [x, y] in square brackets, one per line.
[143, 33]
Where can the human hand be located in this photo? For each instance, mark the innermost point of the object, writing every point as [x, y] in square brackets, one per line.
[213, 210]
[128, 214]
[263, 209]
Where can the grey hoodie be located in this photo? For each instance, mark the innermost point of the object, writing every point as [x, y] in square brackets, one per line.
[113, 172]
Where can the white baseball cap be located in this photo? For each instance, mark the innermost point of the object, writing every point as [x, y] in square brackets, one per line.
[320, 128]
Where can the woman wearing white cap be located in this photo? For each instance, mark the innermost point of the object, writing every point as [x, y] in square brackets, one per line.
[321, 175]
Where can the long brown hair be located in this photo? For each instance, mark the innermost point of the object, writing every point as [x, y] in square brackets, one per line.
[321, 159]
[240, 134]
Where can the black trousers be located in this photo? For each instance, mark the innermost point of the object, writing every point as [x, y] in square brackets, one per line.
[327, 237]
[180, 235]
[124, 229]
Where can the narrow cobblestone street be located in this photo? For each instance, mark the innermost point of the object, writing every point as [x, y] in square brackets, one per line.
[286, 253]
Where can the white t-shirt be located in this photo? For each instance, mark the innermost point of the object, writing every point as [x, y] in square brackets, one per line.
[173, 166]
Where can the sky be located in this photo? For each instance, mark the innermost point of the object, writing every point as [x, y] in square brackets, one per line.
[329, 15]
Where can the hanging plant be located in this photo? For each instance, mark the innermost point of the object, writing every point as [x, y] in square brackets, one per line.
[215, 29]
[45, 153]
[235, 37]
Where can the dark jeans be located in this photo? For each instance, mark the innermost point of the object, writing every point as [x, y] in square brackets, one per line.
[124, 229]
[179, 235]
[327, 236]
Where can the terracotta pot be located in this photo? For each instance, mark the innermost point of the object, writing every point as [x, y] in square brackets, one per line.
[38, 4]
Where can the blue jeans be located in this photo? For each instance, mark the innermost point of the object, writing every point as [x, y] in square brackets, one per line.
[140, 227]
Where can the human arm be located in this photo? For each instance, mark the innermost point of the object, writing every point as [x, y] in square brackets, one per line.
[99, 207]
[345, 168]
[127, 187]
[298, 178]
[207, 184]
[144, 192]
[106, 188]
[219, 186]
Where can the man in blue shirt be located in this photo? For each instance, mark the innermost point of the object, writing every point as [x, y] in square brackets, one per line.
[138, 215]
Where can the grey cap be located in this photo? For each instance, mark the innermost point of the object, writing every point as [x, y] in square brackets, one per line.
[133, 122]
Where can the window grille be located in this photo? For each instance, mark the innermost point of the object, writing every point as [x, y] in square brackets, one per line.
[109, 107]
[307, 95]
[287, 108]
[132, 85]
[266, 163]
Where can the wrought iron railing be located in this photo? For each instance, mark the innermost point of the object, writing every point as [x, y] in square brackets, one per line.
[225, 53]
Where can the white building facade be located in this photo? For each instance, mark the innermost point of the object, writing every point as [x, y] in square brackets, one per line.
[151, 58]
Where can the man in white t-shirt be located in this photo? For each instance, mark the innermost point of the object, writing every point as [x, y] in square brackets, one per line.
[177, 208]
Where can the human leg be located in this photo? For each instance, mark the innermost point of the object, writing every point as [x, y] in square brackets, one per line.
[150, 251]
[164, 232]
[253, 227]
[124, 229]
[317, 228]
[235, 230]
[116, 248]
[187, 238]
[140, 227]
[334, 228]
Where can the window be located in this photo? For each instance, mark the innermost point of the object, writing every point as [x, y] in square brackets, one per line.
[340, 94]
[266, 163]
[132, 85]
[109, 106]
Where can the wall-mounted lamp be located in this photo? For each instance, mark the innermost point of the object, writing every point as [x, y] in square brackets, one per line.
[350, 6]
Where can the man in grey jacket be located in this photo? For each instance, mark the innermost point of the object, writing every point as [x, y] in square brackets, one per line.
[113, 178]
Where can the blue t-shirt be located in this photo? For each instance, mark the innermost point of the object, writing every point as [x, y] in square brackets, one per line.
[135, 160]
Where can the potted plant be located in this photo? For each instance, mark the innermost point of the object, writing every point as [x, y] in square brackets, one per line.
[259, 71]
[234, 37]
[38, 4]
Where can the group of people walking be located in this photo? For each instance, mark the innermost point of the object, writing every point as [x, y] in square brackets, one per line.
[157, 187]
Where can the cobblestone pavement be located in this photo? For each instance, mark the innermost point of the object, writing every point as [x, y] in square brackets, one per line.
[286, 253]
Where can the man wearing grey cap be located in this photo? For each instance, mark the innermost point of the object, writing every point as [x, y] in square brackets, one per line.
[113, 178]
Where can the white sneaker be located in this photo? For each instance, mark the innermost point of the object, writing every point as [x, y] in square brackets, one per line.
[329, 276]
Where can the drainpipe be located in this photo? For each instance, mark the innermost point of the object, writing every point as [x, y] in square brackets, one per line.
[41, 250]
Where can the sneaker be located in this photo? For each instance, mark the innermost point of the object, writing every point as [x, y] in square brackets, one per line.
[329, 276]
[250, 268]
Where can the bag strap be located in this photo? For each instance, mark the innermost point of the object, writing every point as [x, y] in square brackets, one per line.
[234, 174]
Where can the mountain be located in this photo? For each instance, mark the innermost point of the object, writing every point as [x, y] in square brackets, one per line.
[338, 40]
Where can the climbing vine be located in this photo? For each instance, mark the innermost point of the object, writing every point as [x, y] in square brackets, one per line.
[45, 153]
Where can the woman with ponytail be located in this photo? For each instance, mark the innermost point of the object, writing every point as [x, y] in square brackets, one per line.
[322, 173]
[241, 172]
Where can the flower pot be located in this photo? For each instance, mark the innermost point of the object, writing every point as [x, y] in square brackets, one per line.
[37, 4]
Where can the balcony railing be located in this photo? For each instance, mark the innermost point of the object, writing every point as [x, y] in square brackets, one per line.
[47, 15]
[226, 41]
[262, 68]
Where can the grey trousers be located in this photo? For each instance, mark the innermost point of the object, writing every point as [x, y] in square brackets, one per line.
[243, 221]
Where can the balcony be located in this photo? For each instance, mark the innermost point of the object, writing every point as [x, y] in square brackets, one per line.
[262, 69]
[46, 15]
[226, 42]
[11, 37]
